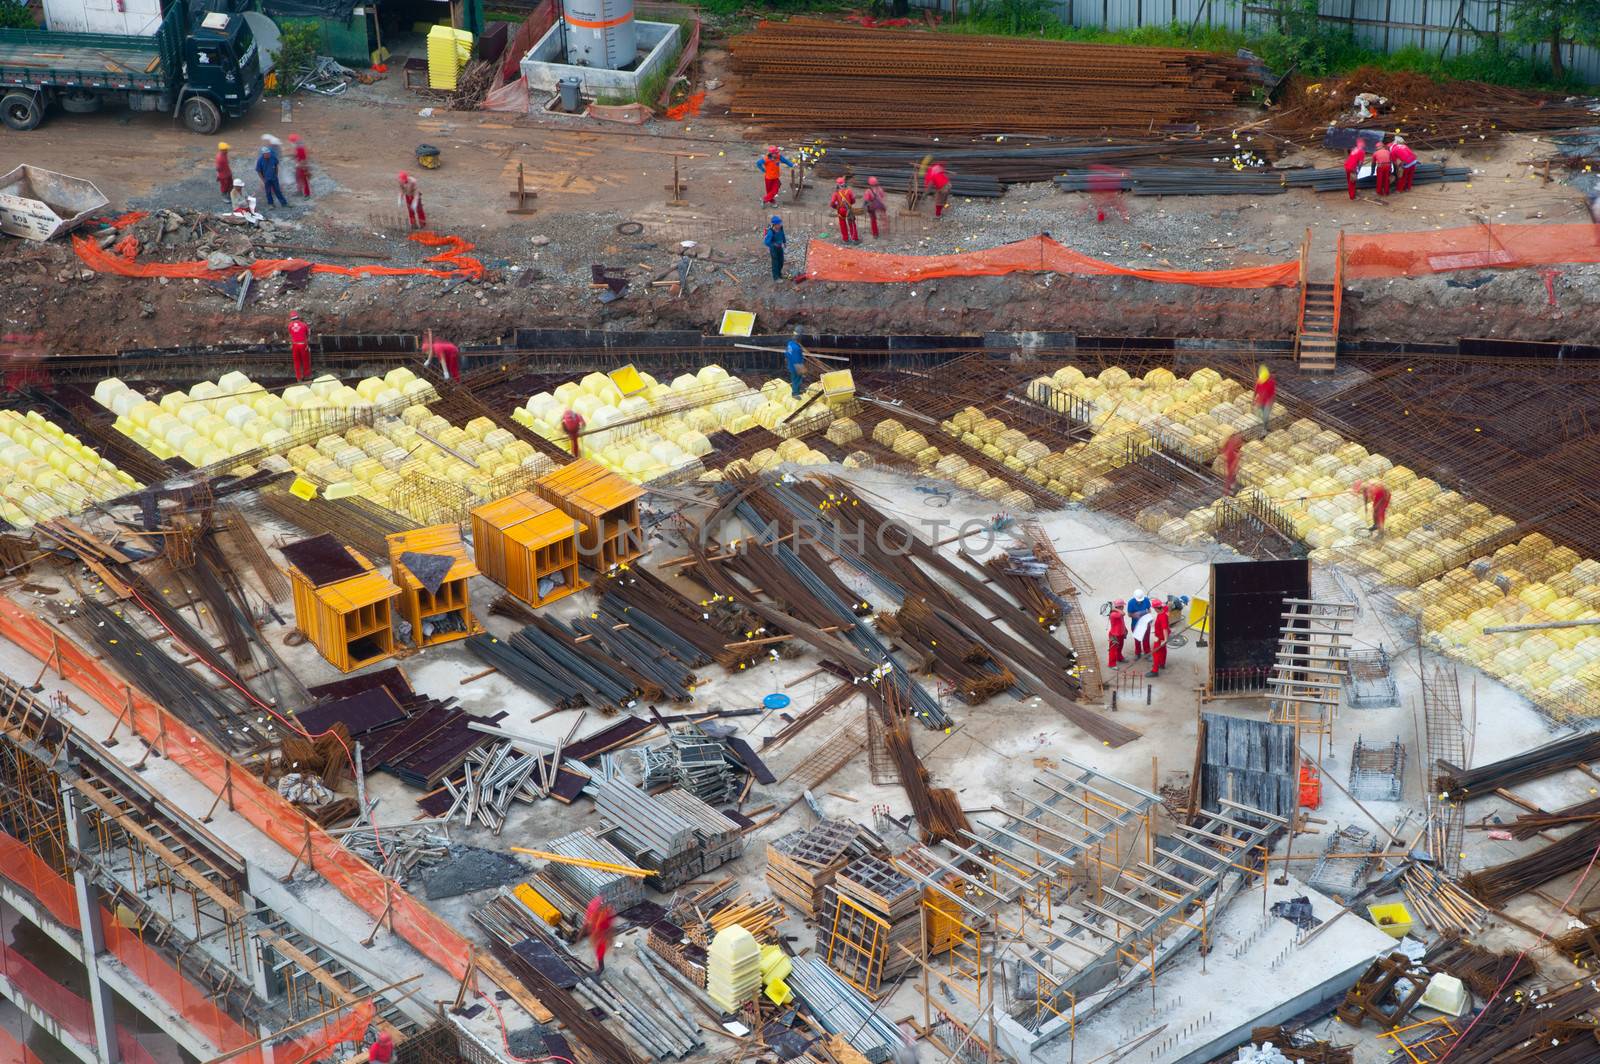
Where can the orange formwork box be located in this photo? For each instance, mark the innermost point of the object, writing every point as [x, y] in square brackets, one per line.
[417, 604]
[521, 541]
[605, 504]
[350, 618]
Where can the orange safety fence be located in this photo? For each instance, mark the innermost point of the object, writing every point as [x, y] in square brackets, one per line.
[1471, 247]
[1041, 254]
[121, 262]
[29, 871]
[315, 1046]
[73, 1014]
[245, 792]
[14, 1052]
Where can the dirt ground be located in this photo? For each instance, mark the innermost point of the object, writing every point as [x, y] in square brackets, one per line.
[593, 177]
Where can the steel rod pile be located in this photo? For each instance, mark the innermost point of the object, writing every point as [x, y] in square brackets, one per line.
[815, 75]
[937, 809]
[1484, 971]
[1500, 883]
[1197, 181]
[1519, 1027]
[1460, 784]
[546, 657]
[954, 656]
[985, 170]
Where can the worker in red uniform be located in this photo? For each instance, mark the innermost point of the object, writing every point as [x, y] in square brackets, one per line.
[1382, 168]
[224, 170]
[767, 166]
[381, 1051]
[573, 422]
[302, 165]
[1117, 633]
[1352, 164]
[1406, 160]
[448, 354]
[1160, 629]
[598, 921]
[1232, 448]
[411, 199]
[300, 346]
[939, 182]
[1266, 392]
[1376, 497]
[873, 201]
[844, 201]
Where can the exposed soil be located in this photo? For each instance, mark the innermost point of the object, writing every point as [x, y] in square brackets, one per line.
[591, 178]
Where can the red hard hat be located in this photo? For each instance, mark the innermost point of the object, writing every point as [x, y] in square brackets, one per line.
[1119, 604]
[872, 181]
[294, 315]
[404, 175]
[839, 181]
[772, 149]
[294, 137]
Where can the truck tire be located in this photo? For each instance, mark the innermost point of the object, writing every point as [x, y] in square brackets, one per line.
[21, 111]
[80, 102]
[200, 115]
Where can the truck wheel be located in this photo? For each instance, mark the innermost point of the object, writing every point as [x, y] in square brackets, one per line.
[80, 103]
[201, 115]
[21, 110]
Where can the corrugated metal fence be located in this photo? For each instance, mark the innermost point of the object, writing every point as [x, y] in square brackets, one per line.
[1448, 26]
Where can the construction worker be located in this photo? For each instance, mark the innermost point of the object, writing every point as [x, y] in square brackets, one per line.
[1352, 166]
[573, 423]
[1382, 168]
[1232, 448]
[239, 200]
[775, 241]
[302, 166]
[1138, 609]
[598, 921]
[224, 169]
[267, 169]
[1117, 633]
[299, 345]
[381, 1051]
[1266, 392]
[939, 181]
[449, 356]
[1374, 497]
[1160, 629]
[767, 166]
[794, 358]
[873, 200]
[844, 202]
[411, 200]
[1406, 160]
[1105, 190]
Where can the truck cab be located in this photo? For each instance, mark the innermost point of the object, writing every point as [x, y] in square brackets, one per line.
[222, 71]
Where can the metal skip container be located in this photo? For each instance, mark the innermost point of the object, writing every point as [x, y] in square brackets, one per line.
[38, 204]
[600, 33]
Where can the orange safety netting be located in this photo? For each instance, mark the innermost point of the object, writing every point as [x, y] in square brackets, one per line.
[245, 792]
[14, 1052]
[315, 1046]
[29, 871]
[1040, 254]
[73, 1014]
[1471, 247]
[121, 262]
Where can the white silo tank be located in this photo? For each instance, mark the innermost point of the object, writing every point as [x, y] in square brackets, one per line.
[600, 33]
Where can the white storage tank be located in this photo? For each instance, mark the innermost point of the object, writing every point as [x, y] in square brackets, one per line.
[600, 33]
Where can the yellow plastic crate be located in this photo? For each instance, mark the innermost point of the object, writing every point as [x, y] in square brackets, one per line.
[1393, 919]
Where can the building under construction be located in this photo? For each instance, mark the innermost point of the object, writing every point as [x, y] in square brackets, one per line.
[331, 708]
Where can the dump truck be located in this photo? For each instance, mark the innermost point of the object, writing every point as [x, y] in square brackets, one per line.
[197, 74]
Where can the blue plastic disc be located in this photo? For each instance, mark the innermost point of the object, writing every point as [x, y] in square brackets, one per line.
[775, 701]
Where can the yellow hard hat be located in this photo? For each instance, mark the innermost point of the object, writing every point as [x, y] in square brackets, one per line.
[222, 145]
[1263, 373]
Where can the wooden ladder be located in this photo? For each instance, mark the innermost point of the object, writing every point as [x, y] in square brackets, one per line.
[1316, 342]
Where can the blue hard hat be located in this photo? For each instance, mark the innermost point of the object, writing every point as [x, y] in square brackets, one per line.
[776, 220]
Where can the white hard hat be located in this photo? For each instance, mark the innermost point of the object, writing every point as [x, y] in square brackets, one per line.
[1138, 592]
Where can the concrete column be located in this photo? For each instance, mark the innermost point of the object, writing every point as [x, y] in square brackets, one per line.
[101, 1002]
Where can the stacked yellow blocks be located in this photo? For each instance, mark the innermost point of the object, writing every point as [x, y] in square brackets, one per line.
[217, 420]
[50, 473]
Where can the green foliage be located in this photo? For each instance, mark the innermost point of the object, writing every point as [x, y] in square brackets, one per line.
[296, 54]
[14, 15]
[1555, 22]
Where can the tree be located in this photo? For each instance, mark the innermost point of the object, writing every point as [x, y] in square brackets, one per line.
[1556, 22]
[296, 54]
[14, 15]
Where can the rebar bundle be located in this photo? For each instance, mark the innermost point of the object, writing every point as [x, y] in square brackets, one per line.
[810, 74]
[1500, 883]
[1558, 1027]
[954, 656]
[1461, 784]
[1200, 181]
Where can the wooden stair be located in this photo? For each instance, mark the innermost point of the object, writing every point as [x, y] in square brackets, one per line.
[1316, 345]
